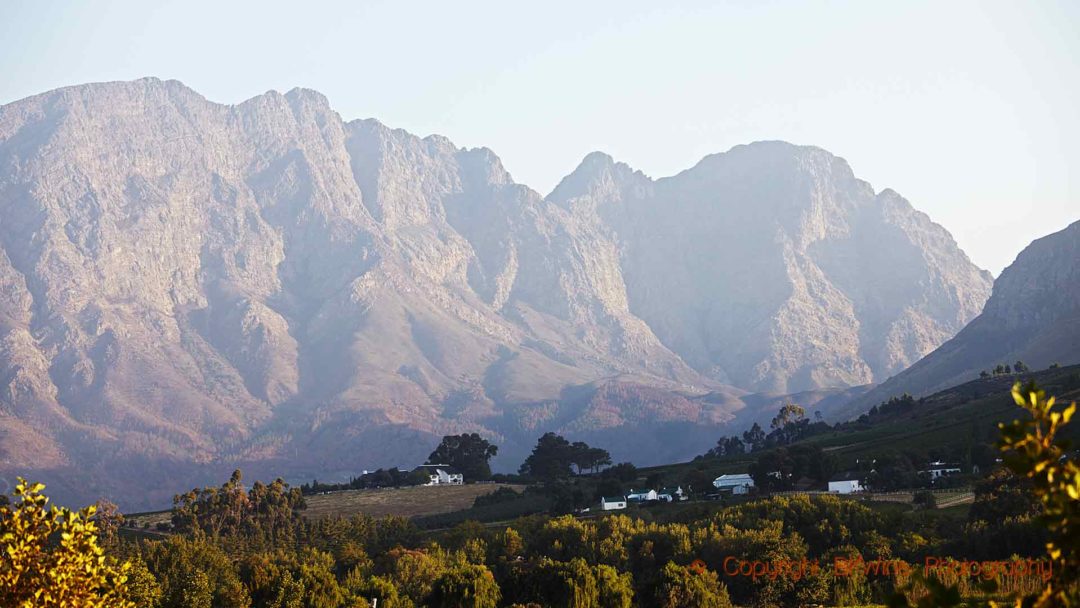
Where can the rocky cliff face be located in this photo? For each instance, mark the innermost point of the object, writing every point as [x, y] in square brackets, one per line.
[1032, 316]
[773, 268]
[186, 287]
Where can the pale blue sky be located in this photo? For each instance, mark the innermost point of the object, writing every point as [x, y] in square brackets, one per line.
[968, 109]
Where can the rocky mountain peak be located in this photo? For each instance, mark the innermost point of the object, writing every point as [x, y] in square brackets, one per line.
[187, 287]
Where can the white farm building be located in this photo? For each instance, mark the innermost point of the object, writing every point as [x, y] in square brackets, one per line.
[738, 483]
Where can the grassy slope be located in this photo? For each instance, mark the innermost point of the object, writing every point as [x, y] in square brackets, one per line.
[408, 502]
[969, 412]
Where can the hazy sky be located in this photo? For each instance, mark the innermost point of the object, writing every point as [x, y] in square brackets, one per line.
[971, 110]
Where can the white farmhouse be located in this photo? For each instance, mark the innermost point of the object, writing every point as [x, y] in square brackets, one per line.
[938, 469]
[641, 496]
[671, 494]
[738, 483]
[845, 483]
[443, 475]
[612, 503]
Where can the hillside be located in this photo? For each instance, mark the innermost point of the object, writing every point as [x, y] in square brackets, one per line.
[945, 425]
[188, 287]
[1032, 316]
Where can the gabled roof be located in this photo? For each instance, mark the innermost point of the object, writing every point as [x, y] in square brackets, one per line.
[612, 499]
[734, 477]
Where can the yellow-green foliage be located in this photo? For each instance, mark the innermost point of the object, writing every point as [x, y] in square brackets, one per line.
[1033, 449]
[51, 557]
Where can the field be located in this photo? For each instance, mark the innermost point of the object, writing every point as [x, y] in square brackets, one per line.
[416, 501]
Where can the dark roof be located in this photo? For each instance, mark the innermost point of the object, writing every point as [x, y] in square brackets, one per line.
[612, 499]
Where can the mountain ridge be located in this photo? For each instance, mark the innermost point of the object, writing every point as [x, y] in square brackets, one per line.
[190, 286]
[1032, 316]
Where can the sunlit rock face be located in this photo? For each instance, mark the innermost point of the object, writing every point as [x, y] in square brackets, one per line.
[187, 287]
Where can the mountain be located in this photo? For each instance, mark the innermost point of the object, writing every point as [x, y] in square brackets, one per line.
[188, 287]
[1033, 316]
[771, 267]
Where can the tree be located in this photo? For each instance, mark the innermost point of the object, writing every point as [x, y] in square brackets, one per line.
[468, 586]
[624, 472]
[52, 558]
[109, 519]
[1034, 450]
[551, 458]
[267, 514]
[191, 569]
[692, 586]
[791, 424]
[469, 453]
[588, 458]
[615, 589]
[734, 446]
[142, 588]
[788, 415]
[925, 499]
[755, 437]
[1020, 367]
[984, 374]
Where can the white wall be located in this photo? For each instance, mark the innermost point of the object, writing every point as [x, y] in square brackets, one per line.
[845, 487]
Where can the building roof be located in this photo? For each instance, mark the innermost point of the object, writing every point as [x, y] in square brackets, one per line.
[612, 499]
[734, 478]
[431, 469]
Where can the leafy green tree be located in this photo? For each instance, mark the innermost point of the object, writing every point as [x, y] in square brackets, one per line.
[470, 453]
[182, 565]
[413, 572]
[690, 587]
[1034, 450]
[266, 515]
[789, 414]
[142, 588]
[551, 459]
[553, 583]
[755, 437]
[614, 589]
[468, 586]
[587, 458]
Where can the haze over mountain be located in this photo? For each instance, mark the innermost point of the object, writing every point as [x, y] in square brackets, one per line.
[1032, 316]
[187, 287]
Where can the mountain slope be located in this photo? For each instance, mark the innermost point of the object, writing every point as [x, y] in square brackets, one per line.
[1032, 316]
[187, 287]
[773, 268]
